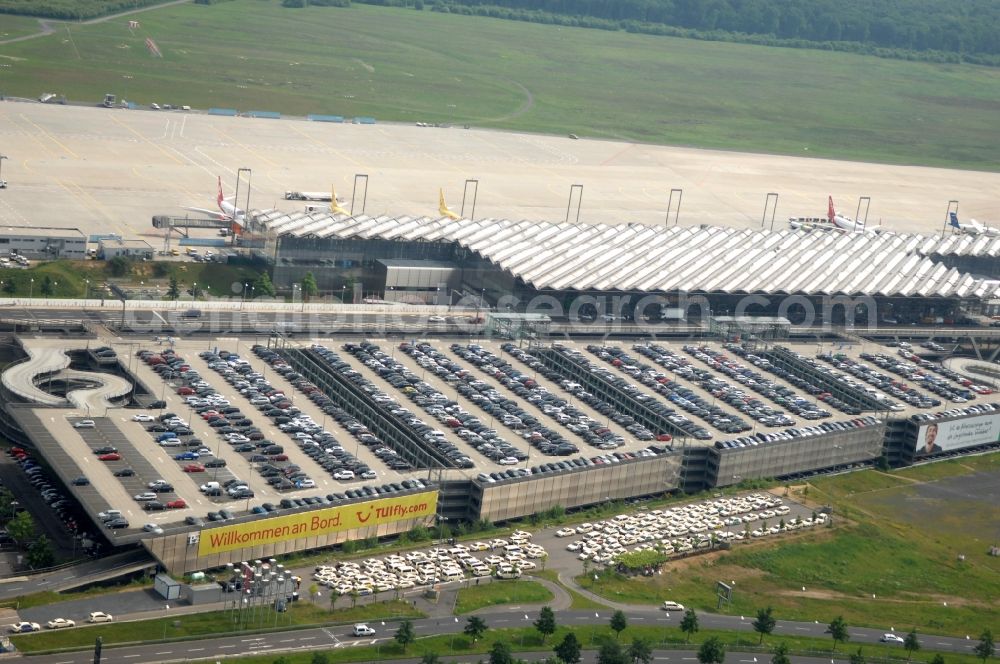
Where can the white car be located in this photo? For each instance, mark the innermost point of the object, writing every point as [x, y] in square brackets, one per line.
[99, 617]
[435, 319]
[306, 484]
[344, 475]
[146, 496]
[58, 623]
[565, 532]
[362, 629]
[85, 424]
[24, 627]
[890, 638]
[143, 417]
[149, 528]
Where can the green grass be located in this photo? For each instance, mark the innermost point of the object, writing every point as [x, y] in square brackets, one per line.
[578, 601]
[202, 624]
[892, 544]
[405, 65]
[46, 597]
[17, 26]
[518, 591]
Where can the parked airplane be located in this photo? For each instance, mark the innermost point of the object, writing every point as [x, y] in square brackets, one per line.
[443, 208]
[227, 211]
[832, 222]
[971, 228]
[335, 203]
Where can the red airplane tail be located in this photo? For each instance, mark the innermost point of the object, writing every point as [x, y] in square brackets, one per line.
[830, 213]
[220, 197]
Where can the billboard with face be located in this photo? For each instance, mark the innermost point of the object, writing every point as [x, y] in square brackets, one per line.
[956, 434]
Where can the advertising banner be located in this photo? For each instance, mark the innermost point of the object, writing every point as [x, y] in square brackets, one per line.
[956, 434]
[317, 522]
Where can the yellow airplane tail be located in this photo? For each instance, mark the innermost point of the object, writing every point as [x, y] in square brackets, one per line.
[334, 205]
[443, 207]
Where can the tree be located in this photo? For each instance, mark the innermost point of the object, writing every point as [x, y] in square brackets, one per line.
[320, 658]
[838, 631]
[689, 624]
[21, 527]
[47, 286]
[937, 659]
[712, 651]
[474, 628]
[618, 623]
[568, 650]
[764, 624]
[640, 651]
[430, 658]
[9, 286]
[857, 657]
[780, 654]
[911, 643]
[263, 285]
[984, 649]
[405, 635]
[611, 653]
[313, 591]
[40, 554]
[546, 623]
[119, 266]
[309, 287]
[500, 653]
[174, 289]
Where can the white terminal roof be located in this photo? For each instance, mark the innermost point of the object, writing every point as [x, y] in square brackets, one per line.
[636, 257]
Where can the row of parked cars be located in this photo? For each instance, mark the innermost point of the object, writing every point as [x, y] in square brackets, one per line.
[887, 384]
[677, 394]
[799, 380]
[316, 442]
[498, 406]
[38, 477]
[721, 389]
[794, 433]
[503, 558]
[685, 529]
[557, 408]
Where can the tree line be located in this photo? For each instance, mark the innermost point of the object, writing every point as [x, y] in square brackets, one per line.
[71, 10]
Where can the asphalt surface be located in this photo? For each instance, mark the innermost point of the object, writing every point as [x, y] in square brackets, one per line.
[340, 636]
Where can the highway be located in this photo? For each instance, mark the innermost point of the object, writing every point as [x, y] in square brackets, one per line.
[339, 637]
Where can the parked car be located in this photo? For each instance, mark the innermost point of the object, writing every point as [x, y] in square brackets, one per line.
[99, 617]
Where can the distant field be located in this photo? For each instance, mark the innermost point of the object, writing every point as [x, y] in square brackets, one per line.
[17, 26]
[895, 563]
[406, 65]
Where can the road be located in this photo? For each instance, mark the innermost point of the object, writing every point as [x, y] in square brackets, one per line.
[339, 637]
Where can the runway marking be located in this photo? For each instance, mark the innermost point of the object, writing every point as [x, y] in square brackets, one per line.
[49, 136]
[249, 149]
[145, 140]
[617, 154]
[335, 151]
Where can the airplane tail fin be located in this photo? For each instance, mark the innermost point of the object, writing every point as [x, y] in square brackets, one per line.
[443, 208]
[953, 220]
[334, 205]
[830, 212]
[220, 197]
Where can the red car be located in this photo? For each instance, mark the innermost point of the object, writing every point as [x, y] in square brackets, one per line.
[113, 456]
[194, 468]
[176, 504]
[278, 457]
[185, 391]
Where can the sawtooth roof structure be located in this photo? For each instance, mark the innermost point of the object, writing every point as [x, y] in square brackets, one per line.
[636, 257]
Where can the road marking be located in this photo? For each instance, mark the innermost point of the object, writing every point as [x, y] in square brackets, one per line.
[130, 656]
[803, 629]
[195, 649]
[286, 640]
[307, 638]
[229, 646]
[165, 652]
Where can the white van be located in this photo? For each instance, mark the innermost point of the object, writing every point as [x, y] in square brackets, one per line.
[451, 574]
[508, 572]
[672, 606]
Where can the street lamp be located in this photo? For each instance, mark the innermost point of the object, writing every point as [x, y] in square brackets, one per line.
[31, 289]
[2, 157]
[194, 291]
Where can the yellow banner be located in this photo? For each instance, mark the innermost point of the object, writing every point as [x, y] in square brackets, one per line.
[317, 522]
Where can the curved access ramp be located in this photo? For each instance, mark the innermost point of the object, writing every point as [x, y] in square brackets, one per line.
[42, 360]
[978, 371]
[93, 399]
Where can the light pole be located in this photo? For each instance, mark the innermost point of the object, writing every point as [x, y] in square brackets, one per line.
[2, 157]
[194, 291]
[86, 294]
[31, 289]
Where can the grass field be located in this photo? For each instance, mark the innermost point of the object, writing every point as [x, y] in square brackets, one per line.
[17, 26]
[501, 592]
[405, 65]
[889, 561]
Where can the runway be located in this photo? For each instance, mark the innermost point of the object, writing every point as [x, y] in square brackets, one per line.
[110, 170]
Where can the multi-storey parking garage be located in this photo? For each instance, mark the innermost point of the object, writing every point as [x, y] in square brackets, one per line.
[254, 450]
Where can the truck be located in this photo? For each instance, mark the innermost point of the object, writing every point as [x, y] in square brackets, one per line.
[109, 100]
[307, 196]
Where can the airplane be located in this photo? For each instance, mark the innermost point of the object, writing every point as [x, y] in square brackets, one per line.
[227, 211]
[335, 203]
[443, 208]
[833, 222]
[971, 228]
